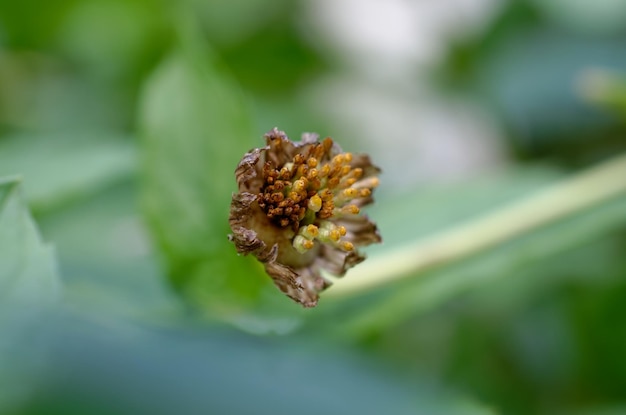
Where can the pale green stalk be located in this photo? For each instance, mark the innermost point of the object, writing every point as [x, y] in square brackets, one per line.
[582, 191]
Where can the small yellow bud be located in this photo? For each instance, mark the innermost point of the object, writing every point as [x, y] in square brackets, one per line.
[351, 209]
[338, 159]
[315, 203]
[351, 192]
[349, 182]
[301, 244]
[325, 170]
[327, 144]
[299, 185]
[310, 231]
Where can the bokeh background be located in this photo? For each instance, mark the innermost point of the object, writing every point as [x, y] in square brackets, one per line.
[124, 119]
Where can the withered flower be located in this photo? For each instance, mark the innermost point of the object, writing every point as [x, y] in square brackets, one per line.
[298, 211]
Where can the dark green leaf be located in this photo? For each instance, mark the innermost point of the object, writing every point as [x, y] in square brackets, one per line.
[196, 127]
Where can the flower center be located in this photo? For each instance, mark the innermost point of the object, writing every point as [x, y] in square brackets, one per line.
[306, 193]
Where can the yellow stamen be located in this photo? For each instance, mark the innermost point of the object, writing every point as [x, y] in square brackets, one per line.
[315, 203]
[310, 231]
[327, 144]
[277, 197]
[349, 182]
[351, 209]
[350, 193]
[326, 195]
[315, 183]
[347, 246]
[332, 182]
[301, 244]
[329, 232]
[285, 173]
[338, 159]
[302, 170]
[299, 185]
[370, 182]
[325, 170]
[298, 159]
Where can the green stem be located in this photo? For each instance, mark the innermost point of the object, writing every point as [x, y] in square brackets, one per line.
[589, 188]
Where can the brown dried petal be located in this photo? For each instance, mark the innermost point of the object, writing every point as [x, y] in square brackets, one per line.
[242, 209]
[279, 149]
[247, 172]
[360, 230]
[246, 240]
[336, 261]
[300, 286]
[364, 162]
[309, 138]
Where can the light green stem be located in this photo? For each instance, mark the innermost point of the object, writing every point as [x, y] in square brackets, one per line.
[582, 191]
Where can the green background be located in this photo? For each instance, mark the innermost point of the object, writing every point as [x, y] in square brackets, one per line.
[121, 123]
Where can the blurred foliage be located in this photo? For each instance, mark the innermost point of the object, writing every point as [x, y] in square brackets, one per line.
[126, 120]
[527, 66]
[29, 287]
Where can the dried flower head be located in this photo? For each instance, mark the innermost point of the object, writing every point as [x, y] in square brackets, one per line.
[298, 211]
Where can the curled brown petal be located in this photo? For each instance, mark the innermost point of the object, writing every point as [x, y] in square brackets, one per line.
[338, 262]
[290, 282]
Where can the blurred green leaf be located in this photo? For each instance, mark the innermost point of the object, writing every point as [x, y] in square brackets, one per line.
[195, 128]
[29, 285]
[294, 61]
[597, 410]
[32, 23]
[62, 167]
[226, 22]
[600, 17]
[107, 261]
[537, 98]
[141, 32]
[604, 88]
[525, 68]
[27, 265]
[116, 367]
